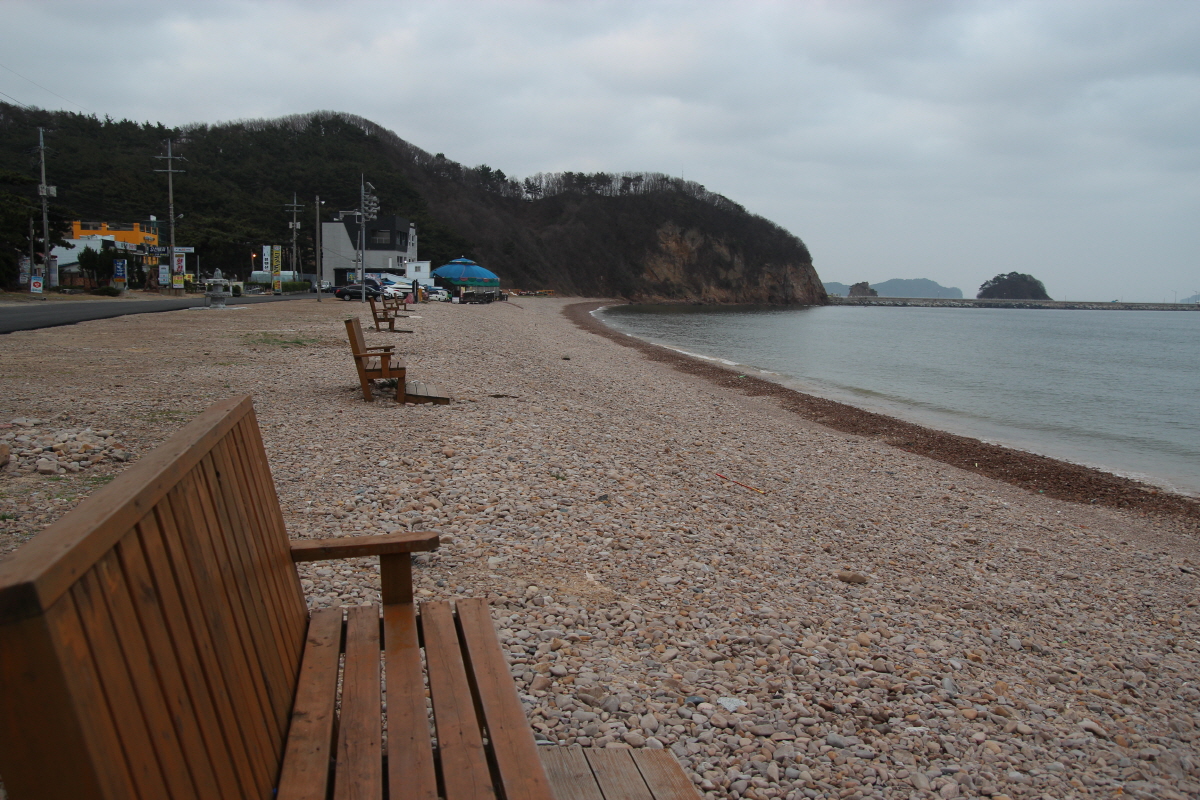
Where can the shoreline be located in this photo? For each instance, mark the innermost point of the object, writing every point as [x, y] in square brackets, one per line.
[1034, 473]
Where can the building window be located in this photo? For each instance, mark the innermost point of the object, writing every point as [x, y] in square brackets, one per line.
[381, 237]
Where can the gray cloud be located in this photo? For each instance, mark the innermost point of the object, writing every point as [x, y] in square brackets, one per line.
[949, 140]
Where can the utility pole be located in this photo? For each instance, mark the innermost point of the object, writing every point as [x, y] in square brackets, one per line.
[320, 268]
[295, 226]
[46, 192]
[32, 257]
[368, 205]
[170, 170]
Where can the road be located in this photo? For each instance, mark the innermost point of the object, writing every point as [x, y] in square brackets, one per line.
[31, 316]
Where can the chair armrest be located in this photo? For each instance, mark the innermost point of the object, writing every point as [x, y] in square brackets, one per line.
[358, 546]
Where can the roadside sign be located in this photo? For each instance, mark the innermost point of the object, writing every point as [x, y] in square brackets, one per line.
[53, 276]
[177, 272]
[23, 266]
[159, 250]
[35, 284]
[276, 269]
[164, 274]
[119, 274]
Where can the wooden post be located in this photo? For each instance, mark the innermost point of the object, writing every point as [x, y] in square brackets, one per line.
[395, 577]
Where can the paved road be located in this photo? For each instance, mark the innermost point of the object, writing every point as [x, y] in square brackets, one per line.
[30, 316]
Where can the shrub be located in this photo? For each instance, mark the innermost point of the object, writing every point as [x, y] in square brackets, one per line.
[237, 290]
[107, 291]
[297, 286]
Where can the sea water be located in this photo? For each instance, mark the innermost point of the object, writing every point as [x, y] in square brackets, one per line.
[1117, 390]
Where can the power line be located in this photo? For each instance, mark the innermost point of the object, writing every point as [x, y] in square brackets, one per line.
[43, 88]
[18, 102]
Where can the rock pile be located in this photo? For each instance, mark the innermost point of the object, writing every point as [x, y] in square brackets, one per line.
[29, 445]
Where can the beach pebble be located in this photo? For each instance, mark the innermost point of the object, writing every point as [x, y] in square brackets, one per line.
[876, 625]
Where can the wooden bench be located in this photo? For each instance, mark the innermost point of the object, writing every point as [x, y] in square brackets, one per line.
[577, 773]
[384, 314]
[396, 304]
[155, 643]
[380, 363]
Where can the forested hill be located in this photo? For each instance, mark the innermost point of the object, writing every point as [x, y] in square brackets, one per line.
[641, 236]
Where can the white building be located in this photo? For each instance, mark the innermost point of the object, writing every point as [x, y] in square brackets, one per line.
[391, 243]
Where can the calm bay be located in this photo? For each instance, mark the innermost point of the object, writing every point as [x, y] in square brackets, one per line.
[1116, 390]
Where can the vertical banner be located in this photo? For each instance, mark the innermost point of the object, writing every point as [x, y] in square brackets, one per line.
[277, 269]
[164, 275]
[35, 284]
[23, 266]
[177, 271]
[119, 273]
[53, 271]
[266, 258]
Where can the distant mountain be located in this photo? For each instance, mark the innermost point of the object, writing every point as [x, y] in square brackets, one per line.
[643, 236]
[1193, 299]
[901, 287]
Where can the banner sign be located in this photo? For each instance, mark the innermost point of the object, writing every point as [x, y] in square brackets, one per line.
[164, 274]
[53, 271]
[23, 266]
[35, 284]
[158, 250]
[177, 272]
[119, 273]
[276, 269]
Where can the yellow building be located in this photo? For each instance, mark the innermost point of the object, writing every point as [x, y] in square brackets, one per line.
[128, 232]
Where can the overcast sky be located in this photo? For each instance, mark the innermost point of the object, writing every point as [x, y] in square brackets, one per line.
[942, 140]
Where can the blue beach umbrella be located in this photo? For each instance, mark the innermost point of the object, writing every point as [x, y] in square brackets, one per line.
[465, 272]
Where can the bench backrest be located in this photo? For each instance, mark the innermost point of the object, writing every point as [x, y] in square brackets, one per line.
[150, 640]
[358, 344]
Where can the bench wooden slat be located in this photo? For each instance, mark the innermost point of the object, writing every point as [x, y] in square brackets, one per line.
[151, 575]
[116, 686]
[358, 546]
[360, 729]
[422, 392]
[262, 638]
[145, 648]
[288, 610]
[226, 576]
[465, 772]
[310, 739]
[83, 686]
[167, 557]
[258, 473]
[191, 521]
[663, 775]
[411, 771]
[520, 771]
[569, 774]
[617, 775]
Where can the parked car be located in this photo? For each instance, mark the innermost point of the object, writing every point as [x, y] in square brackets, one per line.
[326, 287]
[355, 291]
[396, 290]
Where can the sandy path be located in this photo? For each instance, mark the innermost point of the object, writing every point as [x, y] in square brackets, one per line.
[993, 641]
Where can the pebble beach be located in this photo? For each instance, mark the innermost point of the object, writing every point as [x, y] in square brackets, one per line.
[793, 609]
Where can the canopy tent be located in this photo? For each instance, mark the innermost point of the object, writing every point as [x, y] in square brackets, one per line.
[465, 272]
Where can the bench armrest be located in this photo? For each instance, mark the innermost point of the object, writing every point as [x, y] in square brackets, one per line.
[358, 546]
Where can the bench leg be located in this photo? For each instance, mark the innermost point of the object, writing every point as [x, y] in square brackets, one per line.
[366, 386]
[395, 577]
